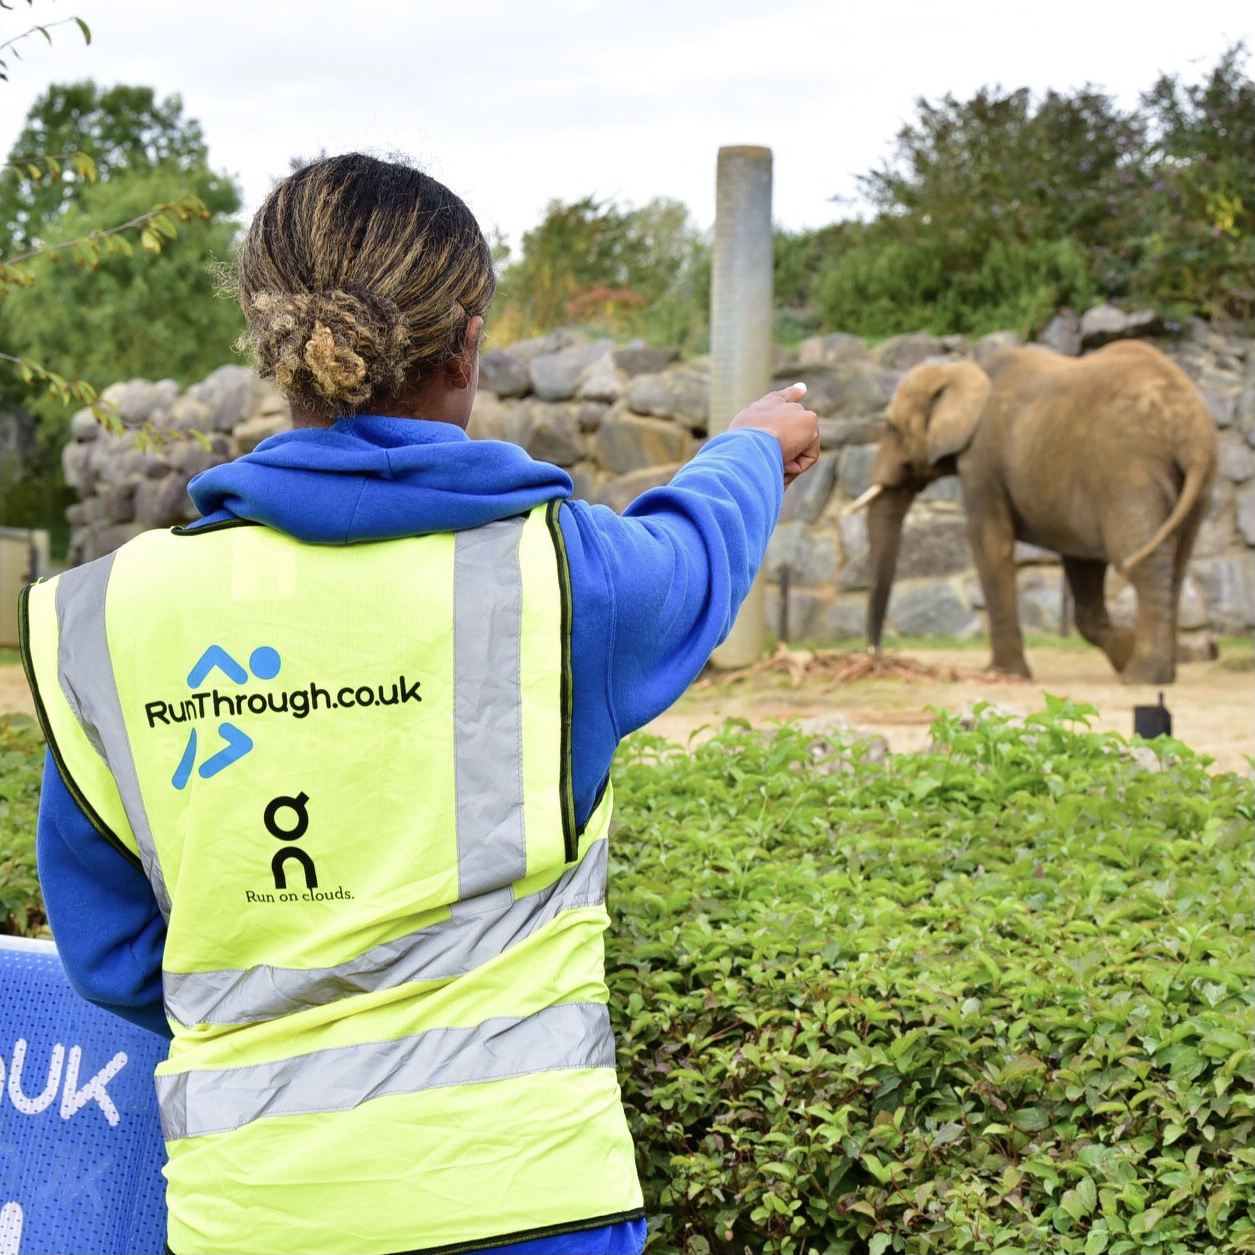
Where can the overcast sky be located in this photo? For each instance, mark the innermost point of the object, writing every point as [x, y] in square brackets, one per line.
[513, 103]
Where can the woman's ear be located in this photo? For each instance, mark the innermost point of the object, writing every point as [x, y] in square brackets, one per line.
[463, 370]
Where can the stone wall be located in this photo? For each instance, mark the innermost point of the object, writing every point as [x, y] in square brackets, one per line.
[623, 418]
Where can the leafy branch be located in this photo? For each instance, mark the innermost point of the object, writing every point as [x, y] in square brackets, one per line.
[65, 390]
[44, 29]
[156, 227]
[55, 167]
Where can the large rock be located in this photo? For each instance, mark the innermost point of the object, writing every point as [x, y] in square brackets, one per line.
[619, 493]
[1040, 599]
[994, 343]
[555, 376]
[635, 359]
[492, 420]
[930, 608]
[1229, 585]
[553, 433]
[252, 431]
[806, 497]
[844, 619]
[822, 388]
[856, 469]
[600, 381]
[832, 350]
[160, 502]
[142, 401]
[76, 466]
[1245, 502]
[627, 443]
[229, 395]
[902, 352]
[1235, 459]
[1222, 404]
[1063, 334]
[190, 457]
[586, 481]
[1105, 323]
[810, 556]
[947, 488]
[861, 390]
[189, 414]
[836, 433]
[554, 342]
[679, 392]
[934, 543]
[85, 426]
[118, 501]
[504, 374]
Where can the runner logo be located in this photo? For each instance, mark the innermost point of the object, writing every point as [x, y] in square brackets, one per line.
[264, 663]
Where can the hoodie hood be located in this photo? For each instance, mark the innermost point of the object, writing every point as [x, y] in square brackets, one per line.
[371, 478]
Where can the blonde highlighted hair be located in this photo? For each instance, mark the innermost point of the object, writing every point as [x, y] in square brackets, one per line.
[358, 278]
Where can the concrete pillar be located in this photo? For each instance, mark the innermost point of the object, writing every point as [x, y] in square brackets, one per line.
[741, 298]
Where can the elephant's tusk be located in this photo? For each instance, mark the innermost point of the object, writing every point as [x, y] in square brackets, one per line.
[865, 500]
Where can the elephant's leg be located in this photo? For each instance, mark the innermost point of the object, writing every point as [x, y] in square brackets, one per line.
[1086, 578]
[1157, 582]
[1156, 579]
[993, 549]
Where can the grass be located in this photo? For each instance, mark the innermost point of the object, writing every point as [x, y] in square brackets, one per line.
[1237, 647]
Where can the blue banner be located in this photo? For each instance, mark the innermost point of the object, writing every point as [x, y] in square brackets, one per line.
[80, 1142]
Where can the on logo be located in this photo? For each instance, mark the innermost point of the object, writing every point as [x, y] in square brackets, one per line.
[292, 833]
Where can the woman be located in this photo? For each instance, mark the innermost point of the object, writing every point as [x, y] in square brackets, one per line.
[328, 790]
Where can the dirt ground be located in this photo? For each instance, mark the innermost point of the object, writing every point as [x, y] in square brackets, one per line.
[1212, 703]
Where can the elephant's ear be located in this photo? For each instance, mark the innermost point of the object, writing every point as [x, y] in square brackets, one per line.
[956, 411]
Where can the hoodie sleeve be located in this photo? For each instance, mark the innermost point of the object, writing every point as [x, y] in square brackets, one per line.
[108, 930]
[664, 580]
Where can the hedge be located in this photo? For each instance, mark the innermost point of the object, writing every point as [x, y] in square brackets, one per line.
[995, 997]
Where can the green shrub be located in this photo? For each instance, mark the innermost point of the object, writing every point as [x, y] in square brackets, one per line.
[21, 766]
[996, 997]
[882, 285]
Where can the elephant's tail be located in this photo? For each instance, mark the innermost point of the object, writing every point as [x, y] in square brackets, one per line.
[1197, 477]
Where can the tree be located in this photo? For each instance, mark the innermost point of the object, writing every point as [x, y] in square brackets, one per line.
[620, 271]
[991, 211]
[995, 211]
[123, 128]
[1198, 208]
[122, 316]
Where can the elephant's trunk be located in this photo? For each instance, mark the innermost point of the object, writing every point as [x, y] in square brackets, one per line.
[884, 532]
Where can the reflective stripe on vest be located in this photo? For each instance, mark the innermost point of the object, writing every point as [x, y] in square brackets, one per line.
[442, 951]
[85, 674]
[571, 1035]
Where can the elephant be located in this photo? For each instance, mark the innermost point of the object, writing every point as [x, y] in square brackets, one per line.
[1106, 459]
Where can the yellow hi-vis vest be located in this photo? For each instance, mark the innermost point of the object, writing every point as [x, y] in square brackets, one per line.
[346, 772]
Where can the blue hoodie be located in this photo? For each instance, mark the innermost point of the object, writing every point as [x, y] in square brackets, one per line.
[653, 591]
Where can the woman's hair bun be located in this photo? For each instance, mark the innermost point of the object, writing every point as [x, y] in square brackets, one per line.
[336, 348]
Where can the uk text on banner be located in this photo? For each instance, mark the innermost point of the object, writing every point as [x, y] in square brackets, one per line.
[80, 1140]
